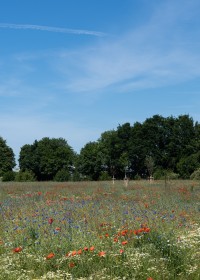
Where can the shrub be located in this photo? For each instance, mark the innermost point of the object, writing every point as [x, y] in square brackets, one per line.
[158, 174]
[25, 176]
[137, 177]
[186, 166]
[62, 175]
[8, 176]
[161, 174]
[104, 176]
[76, 176]
[172, 175]
[195, 175]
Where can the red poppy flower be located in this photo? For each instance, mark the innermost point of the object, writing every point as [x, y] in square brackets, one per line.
[50, 221]
[124, 232]
[92, 248]
[149, 278]
[79, 252]
[121, 251]
[50, 256]
[85, 248]
[136, 232]
[102, 254]
[71, 264]
[115, 239]
[124, 242]
[73, 253]
[17, 250]
[146, 229]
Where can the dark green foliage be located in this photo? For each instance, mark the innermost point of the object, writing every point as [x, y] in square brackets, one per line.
[46, 157]
[104, 176]
[187, 165]
[76, 176]
[137, 177]
[8, 176]
[62, 175]
[25, 176]
[7, 159]
[195, 175]
[149, 163]
[90, 160]
[156, 146]
[161, 174]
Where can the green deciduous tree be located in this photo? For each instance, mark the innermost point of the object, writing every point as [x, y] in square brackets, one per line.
[7, 158]
[149, 163]
[46, 157]
[8, 176]
[154, 146]
[90, 161]
[187, 165]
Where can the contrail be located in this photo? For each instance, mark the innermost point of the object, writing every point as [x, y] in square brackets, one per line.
[52, 29]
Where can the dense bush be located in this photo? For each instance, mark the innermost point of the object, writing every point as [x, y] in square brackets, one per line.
[172, 175]
[76, 176]
[161, 174]
[62, 175]
[195, 175]
[25, 176]
[104, 176]
[158, 174]
[8, 176]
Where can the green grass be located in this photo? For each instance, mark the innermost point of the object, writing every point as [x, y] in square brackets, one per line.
[100, 230]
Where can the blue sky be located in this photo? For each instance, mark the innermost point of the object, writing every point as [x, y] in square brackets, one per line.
[76, 68]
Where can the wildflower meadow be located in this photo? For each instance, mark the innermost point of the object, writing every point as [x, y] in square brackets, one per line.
[100, 230]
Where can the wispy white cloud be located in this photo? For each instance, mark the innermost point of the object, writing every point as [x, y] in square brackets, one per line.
[52, 29]
[158, 53]
[164, 51]
[41, 83]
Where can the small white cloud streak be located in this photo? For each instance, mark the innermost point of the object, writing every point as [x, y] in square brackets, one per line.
[162, 52]
[52, 29]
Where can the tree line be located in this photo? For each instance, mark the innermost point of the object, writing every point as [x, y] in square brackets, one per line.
[156, 147]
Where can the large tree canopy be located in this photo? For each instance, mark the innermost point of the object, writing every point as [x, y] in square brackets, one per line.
[156, 145]
[7, 159]
[46, 157]
[90, 161]
[171, 144]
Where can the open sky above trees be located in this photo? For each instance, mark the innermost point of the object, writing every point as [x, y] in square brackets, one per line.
[74, 69]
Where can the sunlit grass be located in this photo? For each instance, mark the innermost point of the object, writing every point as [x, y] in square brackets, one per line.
[97, 230]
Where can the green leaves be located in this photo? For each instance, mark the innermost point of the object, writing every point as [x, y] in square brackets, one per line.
[7, 159]
[46, 157]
